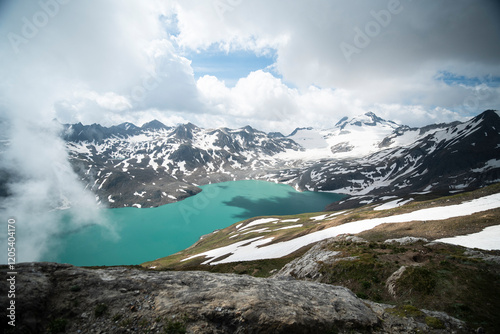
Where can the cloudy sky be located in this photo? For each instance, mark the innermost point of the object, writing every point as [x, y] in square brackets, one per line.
[272, 64]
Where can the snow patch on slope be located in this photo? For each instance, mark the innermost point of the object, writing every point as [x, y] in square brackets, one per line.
[392, 204]
[488, 239]
[254, 249]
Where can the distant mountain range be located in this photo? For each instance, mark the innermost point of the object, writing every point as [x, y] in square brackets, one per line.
[366, 157]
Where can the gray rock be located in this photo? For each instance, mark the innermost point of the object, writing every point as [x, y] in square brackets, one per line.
[220, 303]
[475, 254]
[307, 267]
[200, 302]
[405, 240]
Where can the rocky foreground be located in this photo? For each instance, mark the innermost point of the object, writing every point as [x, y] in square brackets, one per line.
[57, 298]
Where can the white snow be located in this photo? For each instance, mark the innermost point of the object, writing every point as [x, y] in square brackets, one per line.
[140, 157]
[392, 204]
[488, 239]
[139, 138]
[79, 148]
[335, 214]
[250, 250]
[153, 164]
[309, 139]
[289, 220]
[215, 253]
[493, 163]
[110, 199]
[260, 221]
[137, 206]
[265, 229]
[318, 218]
[139, 194]
[288, 227]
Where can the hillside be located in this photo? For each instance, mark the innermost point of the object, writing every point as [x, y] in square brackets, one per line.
[355, 250]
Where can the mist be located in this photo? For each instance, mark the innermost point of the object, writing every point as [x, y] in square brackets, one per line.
[41, 183]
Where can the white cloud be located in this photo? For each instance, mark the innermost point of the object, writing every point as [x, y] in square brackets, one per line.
[109, 100]
[397, 63]
[80, 64]
[267, 103]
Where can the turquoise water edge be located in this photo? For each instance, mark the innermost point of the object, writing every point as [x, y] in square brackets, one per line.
[140, 235]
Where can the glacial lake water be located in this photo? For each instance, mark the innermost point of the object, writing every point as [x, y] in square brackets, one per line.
[140, 235]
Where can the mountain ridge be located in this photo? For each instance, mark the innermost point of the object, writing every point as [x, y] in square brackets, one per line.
[167, 164]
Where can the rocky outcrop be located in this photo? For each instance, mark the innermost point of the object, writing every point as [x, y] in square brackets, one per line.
[307, 267]
[55, 298]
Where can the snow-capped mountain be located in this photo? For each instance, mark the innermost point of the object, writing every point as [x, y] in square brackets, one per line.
[354, 138]
[365, 157]
[154, 164]
[443, 159]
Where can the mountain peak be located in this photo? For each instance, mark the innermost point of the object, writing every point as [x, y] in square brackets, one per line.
[126, 126]
[185, 131]
[367, 119]
[342, 120]
[299, 129]
[154, 125]
[489, 114]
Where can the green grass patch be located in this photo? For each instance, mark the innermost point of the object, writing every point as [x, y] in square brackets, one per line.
[434, 323]
[175, 327]
[405, 311]
[57, 326]
[100, 310]
[418, 280]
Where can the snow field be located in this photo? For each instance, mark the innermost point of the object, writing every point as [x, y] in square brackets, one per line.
[258, 248]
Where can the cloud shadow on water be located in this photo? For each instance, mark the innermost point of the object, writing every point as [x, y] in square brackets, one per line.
[294, 203]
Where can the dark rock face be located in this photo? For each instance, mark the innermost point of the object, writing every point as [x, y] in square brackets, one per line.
[204, 302]
[121, 300]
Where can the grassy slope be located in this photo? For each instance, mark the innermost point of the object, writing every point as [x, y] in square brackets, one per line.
[431, 230]
[438, 277]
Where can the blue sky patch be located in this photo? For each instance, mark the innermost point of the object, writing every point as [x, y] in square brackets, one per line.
[452, 79]
[229, 67]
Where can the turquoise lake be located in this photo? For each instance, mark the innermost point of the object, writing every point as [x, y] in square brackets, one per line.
[140, 235]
